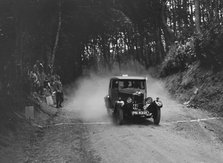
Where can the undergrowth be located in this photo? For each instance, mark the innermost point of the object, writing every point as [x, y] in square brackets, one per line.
[193, 70]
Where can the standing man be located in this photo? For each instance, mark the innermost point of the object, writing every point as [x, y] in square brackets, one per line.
[59, 91]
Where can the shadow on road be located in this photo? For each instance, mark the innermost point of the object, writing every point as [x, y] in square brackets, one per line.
[139, 121]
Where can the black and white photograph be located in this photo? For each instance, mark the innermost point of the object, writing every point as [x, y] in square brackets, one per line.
[111, 81]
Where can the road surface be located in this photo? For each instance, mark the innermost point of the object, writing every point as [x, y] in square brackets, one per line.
[83, 132]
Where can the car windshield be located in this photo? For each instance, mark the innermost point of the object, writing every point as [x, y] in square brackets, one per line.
[136, 84]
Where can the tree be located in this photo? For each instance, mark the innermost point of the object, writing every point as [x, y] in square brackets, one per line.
[197, 16]
[52, 61]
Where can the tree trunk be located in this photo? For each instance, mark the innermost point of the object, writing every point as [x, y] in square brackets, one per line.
[191, 13]
[52, 62]
[174, 18]
[197, 16]
[159, 45]
[185, 15]
[105, 52]
[216, 6]
[168, 34]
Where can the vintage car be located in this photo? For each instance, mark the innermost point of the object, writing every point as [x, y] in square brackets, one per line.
[127, 98]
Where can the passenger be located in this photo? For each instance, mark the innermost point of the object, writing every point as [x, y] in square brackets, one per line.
[137, 85]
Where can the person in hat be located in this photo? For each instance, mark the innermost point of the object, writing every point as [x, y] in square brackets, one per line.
[59, 92]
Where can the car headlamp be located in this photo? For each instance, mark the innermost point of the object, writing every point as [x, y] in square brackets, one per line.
[121, 103]
[129, 100]
[159, 103]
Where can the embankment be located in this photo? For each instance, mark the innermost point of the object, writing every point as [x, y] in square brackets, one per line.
[198, 87]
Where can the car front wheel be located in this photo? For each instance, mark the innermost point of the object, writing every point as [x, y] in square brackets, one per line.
[156, 116]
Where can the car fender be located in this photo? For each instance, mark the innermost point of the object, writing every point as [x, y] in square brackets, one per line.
[119, 105]
[107, 102]
[159, 104]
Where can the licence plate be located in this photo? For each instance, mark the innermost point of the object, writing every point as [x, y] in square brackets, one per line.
[139, 112]
[135, 106]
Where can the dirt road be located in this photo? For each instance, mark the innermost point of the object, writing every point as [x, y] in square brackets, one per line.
[83, 132]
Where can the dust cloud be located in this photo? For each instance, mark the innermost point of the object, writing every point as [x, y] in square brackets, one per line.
[86, 97]
[156, 88]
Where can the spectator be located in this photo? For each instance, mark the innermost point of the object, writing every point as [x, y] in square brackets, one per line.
[59, 92]
[34, 80]
[41, 78]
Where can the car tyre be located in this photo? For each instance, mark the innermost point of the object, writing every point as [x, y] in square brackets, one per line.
[156, 116]
[119, 117]
[108, 112]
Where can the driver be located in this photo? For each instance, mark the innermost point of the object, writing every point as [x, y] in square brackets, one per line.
[126, 84]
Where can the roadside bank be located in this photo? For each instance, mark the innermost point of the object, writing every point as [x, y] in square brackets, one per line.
[22, 126]
[198, 88]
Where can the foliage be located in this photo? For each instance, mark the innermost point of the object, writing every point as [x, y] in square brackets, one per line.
[97, 33]
[187, 23]
[209, 47]
[179, 57]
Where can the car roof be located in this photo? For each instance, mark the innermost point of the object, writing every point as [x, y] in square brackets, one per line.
[129, 78]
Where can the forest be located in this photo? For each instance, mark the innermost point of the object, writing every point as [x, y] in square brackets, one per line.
[56, 60]
[74, 36]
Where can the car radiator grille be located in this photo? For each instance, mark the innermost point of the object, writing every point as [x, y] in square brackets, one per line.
[138, 99]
